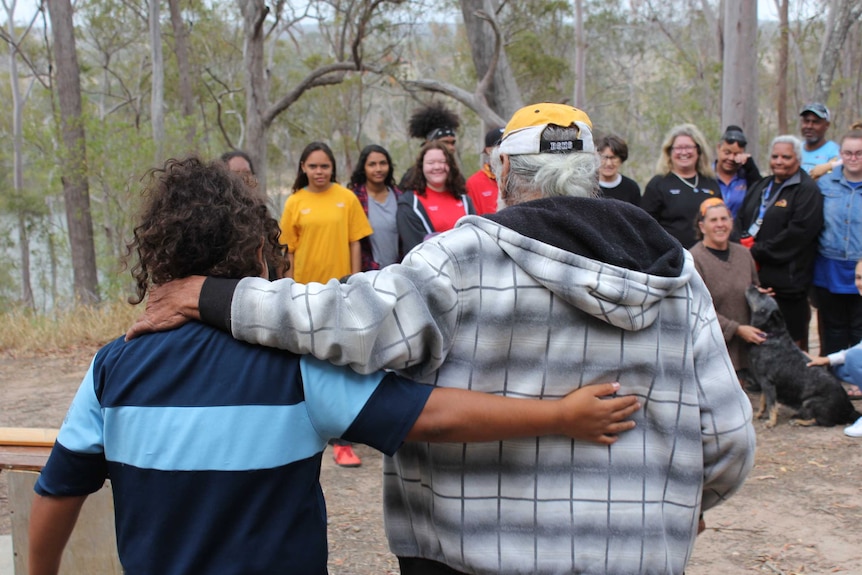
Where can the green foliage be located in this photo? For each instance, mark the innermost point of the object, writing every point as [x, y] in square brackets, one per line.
[649, 66]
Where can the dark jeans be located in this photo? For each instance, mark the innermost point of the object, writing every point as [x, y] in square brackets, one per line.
[839, 317]
[419, 566]
[797, 316]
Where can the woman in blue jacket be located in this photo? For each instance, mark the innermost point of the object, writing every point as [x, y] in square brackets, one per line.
[839, 305]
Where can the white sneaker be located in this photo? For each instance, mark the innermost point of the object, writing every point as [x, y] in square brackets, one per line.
[854, 430]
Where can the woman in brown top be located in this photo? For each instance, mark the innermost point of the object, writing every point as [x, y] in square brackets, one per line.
[727, 270]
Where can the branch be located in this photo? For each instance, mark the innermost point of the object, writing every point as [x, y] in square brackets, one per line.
[15, 44]
[319, 77]
[478, 105]
[361, 30]
[486, 81]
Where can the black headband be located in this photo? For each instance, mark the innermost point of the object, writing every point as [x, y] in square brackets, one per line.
[438, 133]
[732, 136]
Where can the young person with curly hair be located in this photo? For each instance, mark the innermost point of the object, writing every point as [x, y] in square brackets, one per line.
[436, 199]
[432, 123]
[213, 446]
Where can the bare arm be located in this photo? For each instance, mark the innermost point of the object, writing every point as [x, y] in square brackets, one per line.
[290, 259]
[461, 415]
[355, 258]
[51, 522]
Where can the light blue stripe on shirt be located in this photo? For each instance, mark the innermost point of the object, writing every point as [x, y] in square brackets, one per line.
[335, 395]
[82, 428]
[222, 438]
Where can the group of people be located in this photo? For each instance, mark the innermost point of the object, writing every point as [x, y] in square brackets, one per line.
[584, 324]
[796, 235]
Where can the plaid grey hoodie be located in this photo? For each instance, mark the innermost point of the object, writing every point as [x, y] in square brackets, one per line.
[490, 306]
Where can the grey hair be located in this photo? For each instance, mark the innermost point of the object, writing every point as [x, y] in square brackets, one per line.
[548, 175]
[788, 139]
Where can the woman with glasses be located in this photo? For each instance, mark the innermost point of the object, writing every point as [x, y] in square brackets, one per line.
[613, 152]
[685, 179]
[436, 199]
[780, 220]
[839, 305]
[735, 169]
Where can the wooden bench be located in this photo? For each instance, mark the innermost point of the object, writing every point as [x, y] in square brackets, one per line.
[92, 548]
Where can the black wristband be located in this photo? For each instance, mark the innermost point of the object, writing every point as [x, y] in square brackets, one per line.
[215, 301]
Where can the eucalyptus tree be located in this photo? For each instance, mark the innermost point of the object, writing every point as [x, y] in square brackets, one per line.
[15, 39]
[76, 190]
[340, 26]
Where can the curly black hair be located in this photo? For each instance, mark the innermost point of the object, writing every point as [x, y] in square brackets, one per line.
[455, 183]
[432, 117]
[200, 219]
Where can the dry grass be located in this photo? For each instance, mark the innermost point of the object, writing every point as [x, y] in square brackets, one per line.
[26, 333]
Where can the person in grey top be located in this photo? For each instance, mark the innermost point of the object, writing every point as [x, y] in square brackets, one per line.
[558, 290]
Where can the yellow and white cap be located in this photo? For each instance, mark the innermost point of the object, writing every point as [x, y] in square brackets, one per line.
[523, 133]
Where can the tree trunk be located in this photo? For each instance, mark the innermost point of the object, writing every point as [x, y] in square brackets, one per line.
[580, 93]
[253, 15]
[157, 97]
[842, 15]
[503, 95]
[783, 64]
[739, 72]
[181, 50]
[76, 191]
[18, 159]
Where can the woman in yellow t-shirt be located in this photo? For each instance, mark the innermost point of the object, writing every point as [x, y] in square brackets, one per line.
[322, 221]
[322, 224]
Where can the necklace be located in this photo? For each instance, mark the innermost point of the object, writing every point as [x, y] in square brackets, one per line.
[687, 183]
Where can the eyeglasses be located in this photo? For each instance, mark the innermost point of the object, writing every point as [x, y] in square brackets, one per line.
[611, 159]
[683, 148]
[848, 154]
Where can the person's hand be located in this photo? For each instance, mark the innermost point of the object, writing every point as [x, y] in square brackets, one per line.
[820, 169]
[169, 306]
[741, 158]
[818, 360]
[590, 415]
[751, 334]
[766, 291]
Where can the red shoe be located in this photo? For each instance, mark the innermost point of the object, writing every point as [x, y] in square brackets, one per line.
[344, 456]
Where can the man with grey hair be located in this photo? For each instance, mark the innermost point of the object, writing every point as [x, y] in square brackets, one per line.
[780, 220]
[557, 291]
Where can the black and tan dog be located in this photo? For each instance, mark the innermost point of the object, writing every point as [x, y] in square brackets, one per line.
[781, 370]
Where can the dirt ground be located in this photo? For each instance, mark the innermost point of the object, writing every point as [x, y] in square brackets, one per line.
[799, 512]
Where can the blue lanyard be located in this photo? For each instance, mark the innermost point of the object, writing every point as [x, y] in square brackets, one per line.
[764, 201]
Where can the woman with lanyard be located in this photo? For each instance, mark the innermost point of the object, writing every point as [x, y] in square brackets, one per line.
[374, 185]
[780, 219]
[839, 305]
[437, 197]
[685, 179]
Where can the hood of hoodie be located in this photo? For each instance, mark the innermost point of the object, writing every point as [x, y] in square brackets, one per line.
[608, 258]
